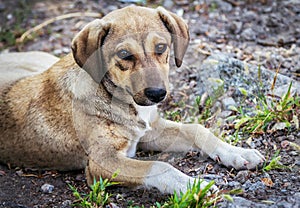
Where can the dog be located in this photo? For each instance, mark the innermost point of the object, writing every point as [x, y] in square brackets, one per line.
[94, 107]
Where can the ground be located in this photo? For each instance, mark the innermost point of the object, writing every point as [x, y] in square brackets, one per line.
[259, 32]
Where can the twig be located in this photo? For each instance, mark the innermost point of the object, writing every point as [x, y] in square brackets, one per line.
[233, 3]
[49, 21]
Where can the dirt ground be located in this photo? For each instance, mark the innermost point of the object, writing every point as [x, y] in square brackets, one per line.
[259, 32]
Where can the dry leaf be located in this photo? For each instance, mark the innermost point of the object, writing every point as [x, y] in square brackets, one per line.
[267, 181]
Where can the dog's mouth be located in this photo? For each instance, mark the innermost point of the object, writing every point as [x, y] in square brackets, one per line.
[148, 96]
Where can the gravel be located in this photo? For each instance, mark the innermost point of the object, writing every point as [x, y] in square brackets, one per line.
[230, 40]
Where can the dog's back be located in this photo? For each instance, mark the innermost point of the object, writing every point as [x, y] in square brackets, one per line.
[14, 66]
[25, 140]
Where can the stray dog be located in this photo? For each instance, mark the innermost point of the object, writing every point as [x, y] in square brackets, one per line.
[93, 108]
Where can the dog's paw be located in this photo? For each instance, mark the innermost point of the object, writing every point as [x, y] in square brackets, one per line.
[239, 158]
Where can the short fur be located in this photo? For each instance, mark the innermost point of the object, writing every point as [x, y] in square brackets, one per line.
[93, 108]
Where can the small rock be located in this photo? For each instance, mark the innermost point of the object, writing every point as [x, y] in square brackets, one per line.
[253, 186]
[224, 6]
[180, 12]
[2, 173]
[66, 50]
[249, 16]
[248, 34]
[284, 144]
[234, 184]
[211, 176]
[293, 153]
[241, 202]
[235, 27]
[225, 114]
[280, 91]
[2, 6]
[66, 204]
[215, 88]
[279, 126]
[47, 188]
[168, 4]
[57, 52]
[79, 177]
[19, 172]
[227, 102]
[242, 176]
[112, 205]
[9, 16]
[111, 8]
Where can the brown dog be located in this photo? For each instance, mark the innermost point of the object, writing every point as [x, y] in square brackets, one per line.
[93, 107]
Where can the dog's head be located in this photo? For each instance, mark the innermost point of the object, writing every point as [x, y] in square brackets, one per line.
[128, 52]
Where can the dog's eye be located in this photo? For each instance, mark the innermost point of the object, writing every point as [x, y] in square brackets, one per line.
[160, 48]
[125, 55]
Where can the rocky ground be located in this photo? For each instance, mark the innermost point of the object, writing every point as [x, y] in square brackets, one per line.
[261, 33]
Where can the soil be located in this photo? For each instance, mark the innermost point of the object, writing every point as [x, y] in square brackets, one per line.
[260, 32]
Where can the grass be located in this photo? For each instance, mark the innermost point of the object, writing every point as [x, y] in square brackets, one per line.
[98, 196]
[268, 112]
[274, 163]
[10, 32]
[195, 197]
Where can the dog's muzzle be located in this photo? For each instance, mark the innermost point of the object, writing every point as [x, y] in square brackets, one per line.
[155, 94]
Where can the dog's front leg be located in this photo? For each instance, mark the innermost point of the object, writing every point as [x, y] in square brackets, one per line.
[171, 136]
[135, 172]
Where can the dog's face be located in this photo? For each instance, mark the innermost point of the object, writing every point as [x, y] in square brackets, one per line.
[128, 52]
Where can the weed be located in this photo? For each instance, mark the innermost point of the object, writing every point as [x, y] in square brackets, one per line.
[194, 197]
[173, 115]
[13, 28]
[274, 163]
[205, 111]
[267, 113]
[98, 196]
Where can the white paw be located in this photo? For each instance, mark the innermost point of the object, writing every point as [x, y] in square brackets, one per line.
[237, 157]
[168, 179]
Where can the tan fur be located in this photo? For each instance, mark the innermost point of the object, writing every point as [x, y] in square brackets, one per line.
[92, 108]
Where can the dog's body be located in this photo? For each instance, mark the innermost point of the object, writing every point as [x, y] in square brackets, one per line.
[93, 107]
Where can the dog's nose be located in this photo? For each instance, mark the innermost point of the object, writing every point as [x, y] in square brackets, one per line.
[155, 94]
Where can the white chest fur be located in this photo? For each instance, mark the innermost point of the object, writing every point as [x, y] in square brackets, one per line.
[147, 114]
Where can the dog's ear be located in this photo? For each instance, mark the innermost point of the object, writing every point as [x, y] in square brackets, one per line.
[179, 31]
[86, 48]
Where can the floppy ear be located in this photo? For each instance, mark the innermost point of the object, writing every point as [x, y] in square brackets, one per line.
[179, 31]
[86, 48]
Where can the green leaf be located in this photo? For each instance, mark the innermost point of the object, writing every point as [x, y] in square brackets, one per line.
[241, 121]
[228, 198]
[287, 95]
[243, 91]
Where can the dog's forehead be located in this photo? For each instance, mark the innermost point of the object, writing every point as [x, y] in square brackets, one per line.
[135, 19]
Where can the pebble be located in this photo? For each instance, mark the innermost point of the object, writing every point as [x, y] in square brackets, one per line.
[2, 6]
[248, 34]
[234, 184]
[2, 173]
[239, 202]
[168, 4]
[249, 186]
[293, 153]
[111, 205]
[66, 204]
[47, 188]
[211, 176]
[228, 102]
[242, 176]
